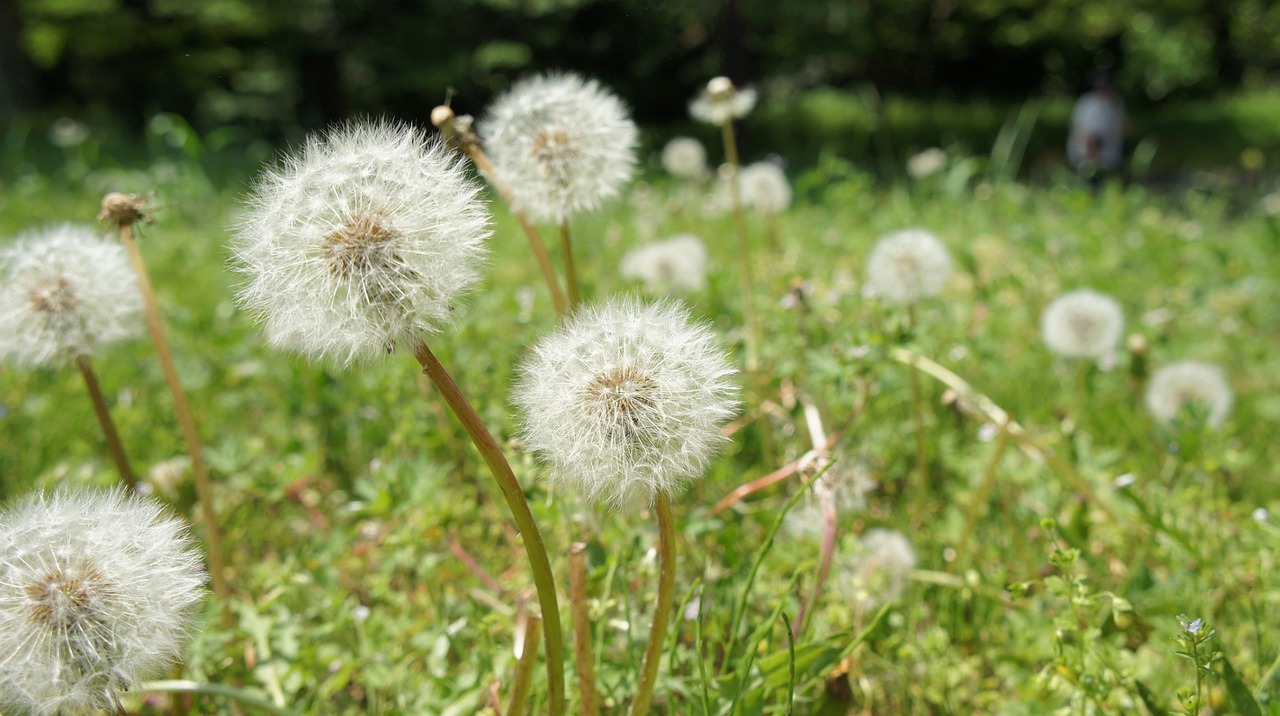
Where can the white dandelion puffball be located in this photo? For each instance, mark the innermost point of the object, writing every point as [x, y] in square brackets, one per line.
[1082, 324]
[676, 264]
[764, 187]
[561, 143]
[98, 591]
[721, 102]
[1189, 383]
[685, 158]
[360, 242]
[927, 163]
[877, 570]
[907, 266]
[626, 400]
[65, 293]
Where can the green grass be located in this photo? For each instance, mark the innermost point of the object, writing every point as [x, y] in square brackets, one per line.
[343, 489]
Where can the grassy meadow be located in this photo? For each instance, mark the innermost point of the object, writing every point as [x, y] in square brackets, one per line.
[376, 569]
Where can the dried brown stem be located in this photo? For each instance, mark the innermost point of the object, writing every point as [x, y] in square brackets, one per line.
[114, 447]
[582, 629]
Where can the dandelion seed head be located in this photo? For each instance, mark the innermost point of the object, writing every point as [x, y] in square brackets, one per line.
[98, 591]
[685, 158]
[1082, 324]
[361, 241]
[626, 400]
[927, 163]
[676, 264]
[65, 293]
[1189, 384]
[721, 102]
[907, 266]
[561, 143]
[877, 569]
[764, 187]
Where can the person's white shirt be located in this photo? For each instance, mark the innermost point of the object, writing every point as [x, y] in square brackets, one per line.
[1097, 130]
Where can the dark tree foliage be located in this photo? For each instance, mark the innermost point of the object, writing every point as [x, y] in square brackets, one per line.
[273, 66]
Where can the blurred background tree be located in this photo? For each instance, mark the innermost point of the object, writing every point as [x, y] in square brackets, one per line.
[273, 69]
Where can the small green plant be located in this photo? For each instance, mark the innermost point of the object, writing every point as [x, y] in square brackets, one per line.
[1193, 645]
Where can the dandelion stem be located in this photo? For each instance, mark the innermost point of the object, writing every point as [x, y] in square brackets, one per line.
[984, 490]
[524, 668]
[187, 422]
[540, 253]
[582, 629]
[539, 564]
[828, 550]
[114, 446]
[750, 339]
[917, 415]
[662, 609]
[570, 270]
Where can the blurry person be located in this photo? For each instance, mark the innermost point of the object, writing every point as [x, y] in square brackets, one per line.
[1095, 145]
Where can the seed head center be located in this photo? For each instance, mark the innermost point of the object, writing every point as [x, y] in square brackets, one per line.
[54, 297]
[623, 397]
[362, 245]
[554, 151]
[66, 597]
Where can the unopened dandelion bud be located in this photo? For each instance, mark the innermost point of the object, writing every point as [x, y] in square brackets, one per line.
[720, 87]
[441, 116]
[98, 591]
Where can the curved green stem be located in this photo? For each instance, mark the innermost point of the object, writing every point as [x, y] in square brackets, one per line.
[744, 254]
[543, 578]
[662, 610]
[247, 698]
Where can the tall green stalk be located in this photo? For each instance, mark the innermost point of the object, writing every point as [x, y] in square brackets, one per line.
[535, 550]
[662, 609]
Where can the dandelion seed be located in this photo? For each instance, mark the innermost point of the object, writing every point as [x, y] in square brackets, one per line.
[721, 102]
[626, 400]
[65, 293]
[876, 571]
[1189, 385]
[1082, 324]
[907, 266]
[685, 158]
[677, 264]
[360, 243]
[97, 592]
[562, 143]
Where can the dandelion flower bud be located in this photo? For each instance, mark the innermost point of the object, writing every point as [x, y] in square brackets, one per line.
[678, 264]
[720, 102]
[1189, 384]
[626, 400]
[877, 570]
[1082, 324]
[907, 266]
[360, 242]
[98, 591]
[65, 293]
[561, 143]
